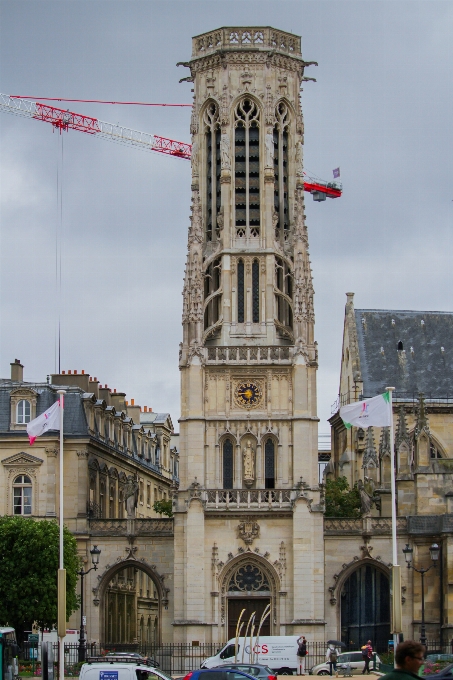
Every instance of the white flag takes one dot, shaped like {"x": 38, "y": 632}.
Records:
{"x": 375, "y": 411}
{"x": 49, "y": 420}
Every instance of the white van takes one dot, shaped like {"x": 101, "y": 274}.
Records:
{"x": 119, "y": 668}
{"x": 279, "y": 652}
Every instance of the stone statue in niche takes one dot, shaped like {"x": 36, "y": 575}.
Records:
{"x": 269, "y": 151}
{"x": 299, "y": 160}
{"x": 225, "y": 152}
{"x": 194, "y": 158}
{"x": 248, "y": 456}
{"x": 131, "y": 496}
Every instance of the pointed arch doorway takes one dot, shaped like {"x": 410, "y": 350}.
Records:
{"x": 251, "y": 605}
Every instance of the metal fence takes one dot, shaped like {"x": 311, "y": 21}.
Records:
{"x": 179, "y": 658}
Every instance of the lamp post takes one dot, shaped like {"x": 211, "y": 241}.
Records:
{"x": 94, "y": 552}
{"x": 434, "y": 552}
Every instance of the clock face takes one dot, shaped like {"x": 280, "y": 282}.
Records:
{"x": 248, "y": 394}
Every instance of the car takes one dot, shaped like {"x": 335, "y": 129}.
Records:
{"x": 445, "y": 673}
{"x": 354, "y": 659}
{"x": 148, "y": 660}
{"x": 440, "y": 657}
{"x": 218, "y": 673}
{"x": 255, "y": 669}
{"x": 119, "y": 667}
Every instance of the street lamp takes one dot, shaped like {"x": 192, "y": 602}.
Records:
{"x": 434, "y": 552}
{"x": 94, "y": 552}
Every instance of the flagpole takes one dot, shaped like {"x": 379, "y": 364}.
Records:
{"x": 61, "y": 571}
{"x": 396, "y": 570}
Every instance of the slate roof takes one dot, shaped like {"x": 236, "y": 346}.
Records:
{"x": 74, "y": 415}
{"x": 426, "y": 368}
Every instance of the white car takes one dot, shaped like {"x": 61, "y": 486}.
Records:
{"x": 354, "y": 659}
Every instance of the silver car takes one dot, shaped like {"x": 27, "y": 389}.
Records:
{"x": 354, "y": 659}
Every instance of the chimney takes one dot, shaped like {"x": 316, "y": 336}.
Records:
{"x": 17, "y": 371}
{"x": 133, "y": 411}
{"x": 104, "y": 393}
{"x": 72, "y": 379}
{"x": 118, "y": 400}
{"x": 94, "y": 387}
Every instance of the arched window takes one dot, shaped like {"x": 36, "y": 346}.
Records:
{"x": 284, "y": 286}
{"x": 121, "y": 504}
{"x": 213, "y": 166}
{"x": 23, "y": 412}
{"x": 269, "y": 464}
{"x": 256, "y": 291}
{"x": 228, "y": 464}
{"x": 281, "y": 210}
{"x": 112, "y": 501}
{"x": 22, "y": 489}
{"x": 212, "y": 280}
{"x": 365, "y": 607}
{"x": 102, "y": 499}
{"x": 241, "y": 294}
{"x": 246, "y": 168}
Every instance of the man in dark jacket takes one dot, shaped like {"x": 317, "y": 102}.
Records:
{"x": 409, "y": 656}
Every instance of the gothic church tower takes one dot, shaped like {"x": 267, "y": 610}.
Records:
{"x": 248, "y": 516}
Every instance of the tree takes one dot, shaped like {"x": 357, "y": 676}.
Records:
{"x": 164, "y": 507}
{"x": 29, "y": 560}
{"x": 341, "y": 500}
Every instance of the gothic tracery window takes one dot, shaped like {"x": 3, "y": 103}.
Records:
{"x": 248, "y": 577}
{"x": 246, "y": 168}
{"x": 228, "y": 464}
{"x": 280, "y": 137}
{"x": 255, "y": 291}
{"x": 283, "y": 292}
{"x": 213, "y": 167}
{"x": 212, "y": 281}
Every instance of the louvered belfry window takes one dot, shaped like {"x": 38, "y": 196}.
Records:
{"x": 241, "y": 292}
{"x": 228, "y": 464}
{"x": 269, "y": 464}
{"x": 213, "y": 166}
{"x": 281, "y": 210}
{"x": 255, "y": 291}
{"x": 246, "y": 169}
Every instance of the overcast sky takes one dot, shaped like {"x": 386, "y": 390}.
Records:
{"x": 381, "y": 109}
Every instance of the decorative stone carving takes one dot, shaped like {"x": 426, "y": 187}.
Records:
{"x": 225, "y": 152}
{"x": 131, "y": 496}
{"x": 248, "y": 530}
{"x": 248, "y": 456}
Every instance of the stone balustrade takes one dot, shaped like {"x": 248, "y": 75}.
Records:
{"x": 261, "y": 38}
{"x": 248, "y": 355}
{"x": 249, "y": 499}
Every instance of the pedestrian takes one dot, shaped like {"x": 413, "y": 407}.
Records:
{"x": 331, "y": 658}
{"x": 301, "y": 654}
{"x": 409, "y": 656}
{"x": 367, "y": 655}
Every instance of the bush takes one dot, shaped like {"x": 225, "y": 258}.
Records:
{"x": 341, "y": 500}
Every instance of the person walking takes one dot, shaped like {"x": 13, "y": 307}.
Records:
{"x": 331, "y": 658}
{"x": 301, "y": 654}
{"x": 367, "y": 655}
{"x": 409, "y": 656}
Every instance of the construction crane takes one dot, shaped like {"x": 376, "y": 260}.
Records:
{"x": 63, "y": 120}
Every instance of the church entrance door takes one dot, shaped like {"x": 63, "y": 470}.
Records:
{"x": 365, "y": 609}
{"x": 252, "y": 604}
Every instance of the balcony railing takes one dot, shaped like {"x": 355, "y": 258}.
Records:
{"x": 249, "y": 499}
{"x": 379, "y": 525}
{"x": 249, "y": 355}
{"x": 141, "y": 526}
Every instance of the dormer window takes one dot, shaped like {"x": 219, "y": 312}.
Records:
{"x": 23, "y": 412}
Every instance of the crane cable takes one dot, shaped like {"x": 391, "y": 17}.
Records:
{"x": 58, "y": 252}
{"x": 91, "y": 101}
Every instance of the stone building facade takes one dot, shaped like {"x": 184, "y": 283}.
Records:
{"x": 105, "y": 447}
{"x": 410, "y": 351}
{"x": 248, "y": 513}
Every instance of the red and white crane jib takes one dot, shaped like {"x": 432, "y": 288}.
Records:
{"x": 68, "y": 120}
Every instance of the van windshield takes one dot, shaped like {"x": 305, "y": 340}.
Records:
{"x": 228, "y": 652}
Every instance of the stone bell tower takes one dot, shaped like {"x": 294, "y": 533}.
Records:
{"x": 248, "y": 516}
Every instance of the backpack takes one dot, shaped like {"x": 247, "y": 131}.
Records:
{"x": 333, "y": 656}
{"x": 364, "y": 652}
{"x": 302, "y": 649}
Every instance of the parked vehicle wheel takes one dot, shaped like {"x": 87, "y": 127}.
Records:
{"x": 285, "y": 671}
{"x": 323, "y": 673}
